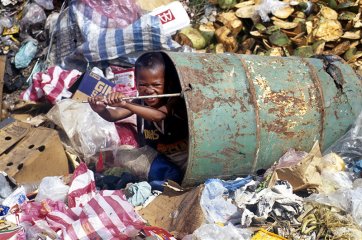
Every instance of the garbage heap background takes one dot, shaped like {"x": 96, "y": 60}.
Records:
{"x": 303, "y": 196}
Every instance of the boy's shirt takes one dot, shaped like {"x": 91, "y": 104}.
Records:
{"x": 170, "y": 137}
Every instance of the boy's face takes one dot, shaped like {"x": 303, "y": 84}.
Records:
{"x": 151, "y": 82}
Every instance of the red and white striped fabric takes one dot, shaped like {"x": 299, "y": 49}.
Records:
{"x": 83, "y": 186}
{"x": 93, "y": 215}
{"x": 51, "y": 85}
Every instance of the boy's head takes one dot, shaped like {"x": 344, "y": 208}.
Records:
{"x": 150, "y": 77}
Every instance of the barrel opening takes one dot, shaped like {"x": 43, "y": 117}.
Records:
{"x": 173, "y": 85}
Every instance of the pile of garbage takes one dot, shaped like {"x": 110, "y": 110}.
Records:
{"x": 66, "y": 173}
{"x": 302, "y": 196}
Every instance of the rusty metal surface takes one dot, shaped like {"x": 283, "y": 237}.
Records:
{"x": 245, "y": 111}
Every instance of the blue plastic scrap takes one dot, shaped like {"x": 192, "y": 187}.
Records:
{"x": 4, "y": 210}
{"x": 357, "y": 168}
{"x": 25, "y": 54}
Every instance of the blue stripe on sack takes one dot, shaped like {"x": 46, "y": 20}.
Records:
{"x": 137, "y": 35}
{"x": 102, "y": 46}
{"x": 88, "y": 13}
{"x": 119, "y": 42}
{"x": 169, "y": 43}
{"x": 156, "y": 33}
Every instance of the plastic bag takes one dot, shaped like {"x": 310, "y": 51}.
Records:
{"x": 216, "y": 232}
{"x": 6, "y": 22}
{"x": 50, "y": 85}
{"x": 33, "y": 14}
{"x": 290, "y": 158}
{"x": 122, "y": 12}
{"x": 26, "y": 53}
{"x": 65, "y": 38}
{"x": 332, "y": 181}
{"x": 104, "y": 41}
{"x": 348, "y": 200}
{"x": 51, "y": 21}
{"x": 215, "y": 208}
{"x": 267, "y": 7}
{"x": 105, "y": 213}
{"x": 349, "y": 147}
{"x": 46, "y": 4}
{"x": 138, "y": 193}
{"x": 52, "y": 188}
{"x": 82, "y": 187}
{"x": 87, "y": 131}
{"x": 5, "y": 189}
{"x": 137, "y": 161}
{"x": 16, "y": 198}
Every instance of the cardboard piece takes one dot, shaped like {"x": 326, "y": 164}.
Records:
{"x": 92, "y": 85}
{"x": 173, "y": 17}
{"x": 176, "y": 210}
{"x": 12, "y": 132}
{"x": 39, "y": 154}
{"x": 303, "y": 175}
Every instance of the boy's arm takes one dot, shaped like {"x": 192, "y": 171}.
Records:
{"x": 148, "y": 113}
{"x": 115, "y": 114}
{"x": 107, "y": 113}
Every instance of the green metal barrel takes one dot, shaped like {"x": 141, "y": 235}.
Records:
{"x": 245, "y": 111}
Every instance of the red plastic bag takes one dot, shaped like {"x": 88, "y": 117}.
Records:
{"x": 82, "y": 187}
{"x": 94, "y": 215}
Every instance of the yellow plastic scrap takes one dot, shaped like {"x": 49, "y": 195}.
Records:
{"x": 263, "y": 234}
{"x": 10, "y": 31}
{"x": 14, "y": 39}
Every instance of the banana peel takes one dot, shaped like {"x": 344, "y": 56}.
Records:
{"x": 224, "y": 36}
{"x": 191, "y": 37}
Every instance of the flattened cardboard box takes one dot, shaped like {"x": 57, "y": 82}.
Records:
{"x": 176, "y": 210}
{"x": 39, "y": 154}
{"x": 11, "y": 132}
{"x": 92, "y": 85}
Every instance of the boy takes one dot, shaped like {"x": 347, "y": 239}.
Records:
{"x": 160, "y": 122}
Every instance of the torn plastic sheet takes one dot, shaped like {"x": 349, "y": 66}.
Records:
{"x": 214, "y": 206}
{"x": 348, "y": 200}
{"x": 87, "y": 139}
{"x": 278, "y": 201}
{"x": 349, "y": 147}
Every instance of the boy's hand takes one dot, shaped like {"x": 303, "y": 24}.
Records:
{"x": 97, "y": 104}
{"x": 115, "y": 100}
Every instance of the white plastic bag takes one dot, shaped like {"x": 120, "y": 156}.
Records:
{"x": 216, "y": 232}
{"x": 5, "y": 189}
{"x": 333, "y": 180}
{"x": 87, "y": 131}
{"x": 52, "y": 188}
{"x": 215, "y": 208}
